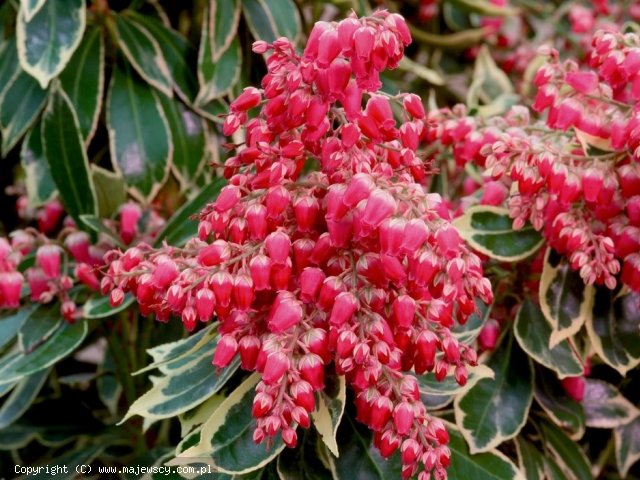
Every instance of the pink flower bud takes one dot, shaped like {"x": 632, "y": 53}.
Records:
{"x": 278, "y": 199}
{"x": 249, "y": 98}
{"x": 189, "y": 318}
{"x": 381, "y": 410}
{"x": 78, "y": 244}
{"x": 415, "y": 234}
{"x": 359, "y": 188}
{"x": 306, "y": 211}
{"x": 403, "y": 416}
{"x": 488, "y": 336}
{"x": 10, "y": 286}
{"x": 130, "y": 214}
{"x": 574, "y": 386}
{"x": 328, "y": 48}
{"x": 256, "y": 216}
{"x": 205, "y": 303}
{"x": 310, "y": 282}
{"x": 260, "y": 268}
{"x": 312, "y": 370}
{"x": 227, "y": 199}
{"x": 214, "y": 254}
{"x": 86, "y": 274}
{"x": 243, "y": 291}
{"x": 346, "y": 304}
{"x": 226, "y": 349}
{"x": 222, "y": 285}
{"x": 278, "y": 246}
{"x": 262, "y": 404}
{"x": 175, "y": 298}
{"x": 166, "y": 271}
{"x": 68, "y": 310}
{"x": 301, "y": 417}
{"x": 592, "y": 181}
{"x": 281, "y": 275}
{"x": 285, "y": 313}
{"x": 413, "y": 105}
{"x": 451, "y": 349}
{"x": 290, "y": 437}
{"x": 392, "y": 235}
{"x": 116, "y": 297}
{"x": 380, "y": 205}
{"x": 583, "y": 82}
{"x": 49, "y": 217}
{"x": 448, "y": 239}
{"x": 38, "y": 283}
{"x": 249, "y": 347}
{"x": 404, "y": 309}
{"x": 276, "y": 366}
{"x": 48, "y": 258}
{"x": 302, "y": 394}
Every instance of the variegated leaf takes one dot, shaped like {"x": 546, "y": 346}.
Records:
{"x": 329, "y": 410}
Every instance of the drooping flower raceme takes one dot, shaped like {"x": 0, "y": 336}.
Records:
{"x": 353, "y": 265}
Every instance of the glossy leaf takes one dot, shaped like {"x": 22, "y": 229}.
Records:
{"x": 614, "y": 329}
{"x": 107, "y": 384}
{"x": 271, "y": 19}
{"x": 181, "y": 227}
{"x": 489, "y": 82}
{"x": 563, "y": 410}
{"x": 21, "y": 102}
{"x": 491, "y": 465}
{"x": 533, "y": 332}
{"x": 144, "y": 53}
{"x": 189, "y": 142}
{"x": 48, "y": 39}
{"x": 60, "y": 344}
{"x": 494, "y": 410}
{"x": 359, "y": 459}
{"x": 489, "y": 231}
{"x": 565, "y": 300}
{"x": 67, "y": 158}
{"x": 98, "y": 306}
{"x": 420, "y": 71}
{"x": 605, "y": 407}
{"x": 302, "y": 462}
{"x": 468, "y": 332}
{"x": 83, "y": 81}
{"x": 484, "y": 7}
{"x": 223, "y": 18}
{"x": 183, "y": 388}
{"x": 11, "y": 322}
{"x": 329, "y": 410}
{"x": 566, "y": 452}
{"x": 111, "y": 190}
{"x": 430, "y": 386}
{"x": 177, "y": 52}
{"x": 40, "y": 185}
{"x": 226, "y": 439}
{"x": 216, "y": 74}
{"x": 43, "y": 321}
{"x": 9, "y": 64}
{"x": 31, "y": 7}
{"x": 199, "y": 414}
{"x": 627, "y": 443}
{"x": 21, "y": 397}
{"x": 141, "y": 146}
{"x": 530, "y": 459}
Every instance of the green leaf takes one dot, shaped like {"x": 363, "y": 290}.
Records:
{"x": 563, "y": 410}
{"x": 302, "y": 462}
{"x": 83, "y": 81}
{"x": 484, "y": 7}
{"x": 330, "y": 408}
{"x": 490, "y": 465}
{"x": 144, "y": 53}
{"x": 9, "y": 64}
{"x": 21, "y": 102}
{"x": 48, "y": 39}
{"x": 489, "y": 231}
{"x": 180, "y": 227}
{"x": 226, "y": 439}
{"x": 98, "y": 306}
{"x": 40, "y": 185}
{"x": 216, "y": 74}
{"x": 67, "y": 158}
{"x": 359, "y": 459}
{"x": 184, "y": 388}
{"x": 565, "y": 300}
{"x": 111, "y": 190}
{"x": 64, "y": 341}
{"x": 21, "y": 398}
{"x": 614, "y": 329}
{"x": 199, "y": 414}
{"x": 109, "y": 389}
{"x": 468, "y": 332}
{"x": 141, "y": 146}
{"x": 420, "y": 71}
{"x": 223, "y": 18}
{"x": 430, "y": 386}
{"x": 495, "y": 410}
{"x": 533, "y": 332}
{"x": 11, "y": 322}
{"x": 530, "y": 460}
{"x": 95, "y": 223}
{"x": 270, "y": 19}
{"x": 39, "y": 326}
{"x": 31, "y": 7}
{"x": 627, "y": 442}
{"x": 188, "y": 133}
{"x": 605, "y": 407}
{"x": 489, "y": 82}
{"x": 453, "y": 41}
{"x": 566, "y": 452}
{"x": 177, "y": 53}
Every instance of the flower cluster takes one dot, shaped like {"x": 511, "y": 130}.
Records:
{"x": 61, "y": 261}
{"x": 353, "y": 265}
{"x": 575, "y": 177}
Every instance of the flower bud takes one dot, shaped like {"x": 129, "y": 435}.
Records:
{"x": 225, "y": 351}
{"x": 48, "y": 258}
{"x": 130, "y": 214}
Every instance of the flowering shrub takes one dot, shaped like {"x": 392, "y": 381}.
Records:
{"x": 383, "y": 280}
